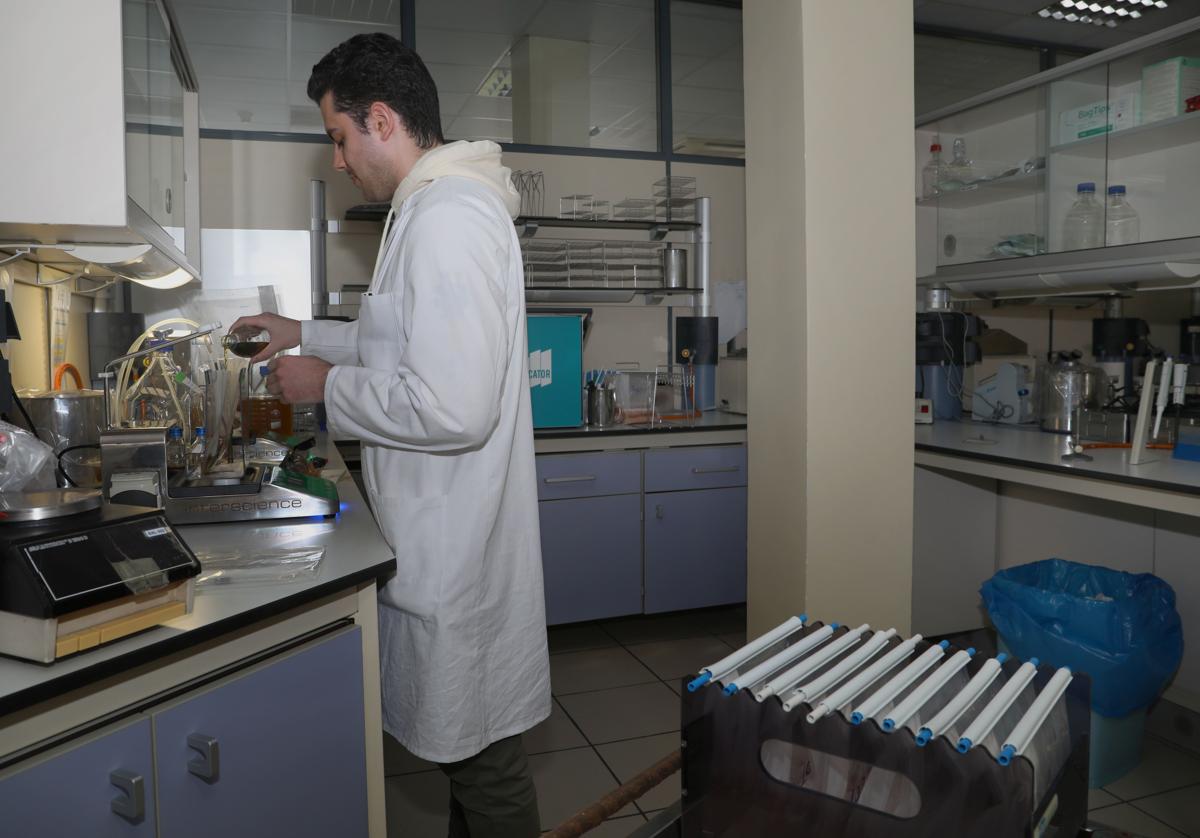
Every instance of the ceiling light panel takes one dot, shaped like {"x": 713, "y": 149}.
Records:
{"x": 1105, "y": 13}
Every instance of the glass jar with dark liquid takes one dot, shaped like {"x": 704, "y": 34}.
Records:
{"x": 246, "y": 343}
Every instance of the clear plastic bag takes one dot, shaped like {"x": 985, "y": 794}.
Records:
{"x": 263, "y": 567}
{"x": 26, "y": 463}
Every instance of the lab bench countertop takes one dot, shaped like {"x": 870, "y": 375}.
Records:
{"x": 713, "y": 427}
{"x": 355, "y": 552}
{"x": 1028, "y": 447}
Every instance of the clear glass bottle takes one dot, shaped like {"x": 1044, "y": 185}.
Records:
{"x": 1083, "y": 227}
{"x": 195, "y": 458}
{"x": 931, "y": 174}
{"x": 960, "y": 171}
{"x": 177, "y": 453}
{"x": 1121, "y": 222}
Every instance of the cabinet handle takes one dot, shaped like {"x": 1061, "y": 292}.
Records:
{"x": 206, "y": 766}
{"x": 130, "y": 805}
{"x": 168, "y": 200}
{"x": 716, "y": 470}
{"x": 550, "y": 481}
{"x": 658, "y": 511}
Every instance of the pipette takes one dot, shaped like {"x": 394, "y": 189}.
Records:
{"x": 841, "y": 671}
{"x": 1035, "y": 716}
{"x": 1179, "y": 383}
{"x": 862, "y": 680}
{"x": 810, "y": 664}
{"x": 1164, "y": 393}
{"x": 728, "y": 665}
{"x": 882, "y": 696}
{"x": 780, "y": 659}
{"x": 949, "y": 714}
{"x": 904, "y": 711}
{"x": 997, "y": 707}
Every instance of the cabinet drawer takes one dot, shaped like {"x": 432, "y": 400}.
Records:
{"x": 588, "y": 475}
{"x": 703, "y": 467}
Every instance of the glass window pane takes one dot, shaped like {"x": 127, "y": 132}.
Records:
{"x": 949, "y": 70}
{"x": 579, "y": 73}
{"x": 253, "y": 57}
{"x": 707, "y": 110}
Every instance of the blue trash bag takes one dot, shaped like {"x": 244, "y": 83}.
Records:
{"x": 1120, "y": 628}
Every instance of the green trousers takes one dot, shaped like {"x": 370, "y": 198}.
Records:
{"x": 492, "y": 793}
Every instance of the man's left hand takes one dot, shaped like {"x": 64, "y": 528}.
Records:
{"x": 298, "y": 379}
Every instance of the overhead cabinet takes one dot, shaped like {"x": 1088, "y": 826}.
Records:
{"x": 995, "y": 221}
{"x": 105, "y": 163}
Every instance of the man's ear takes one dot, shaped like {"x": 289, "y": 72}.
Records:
{"x": 384, "y": 120}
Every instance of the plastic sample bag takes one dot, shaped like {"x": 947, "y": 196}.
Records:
{"x": 26, "y": 463}
{"x": 1120, "y": 628}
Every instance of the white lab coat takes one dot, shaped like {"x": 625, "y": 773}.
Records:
{"x": 433, "y": 380}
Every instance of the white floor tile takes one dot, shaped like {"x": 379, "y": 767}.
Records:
{"x": 1099, "y": 798}
{"x": 557, "y": 733}
{"x": 567, "y": 781}
{"x": 628, "y": 759}
{"x": 596, "y": 669}
{"x": 1129, "y": 819}
{"x": 1163, "y": 768}
{"x": 418, "y": 805}
{"x": 1179, "y": 808}
{"x": 670, "y": 660}
{"x": 624, "y": 712}
{"x": 578, "y": 637}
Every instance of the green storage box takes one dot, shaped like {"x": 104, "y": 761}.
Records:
{"x": 556, "y": 369}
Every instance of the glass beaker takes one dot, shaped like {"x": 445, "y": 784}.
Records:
{"x": 246, "y": 342}
{"x": 263, "y": 413}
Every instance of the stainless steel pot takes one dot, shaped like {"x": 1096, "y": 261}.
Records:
{"x": 1067, "y": 387}
{"x": 674, "y": 267}
{"x": 65, "y": 418}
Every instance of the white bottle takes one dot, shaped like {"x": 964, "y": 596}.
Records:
{"x": 1084, "y": 225}
{"x": 1121, "y": 223}
{"x": 931, "y": 174}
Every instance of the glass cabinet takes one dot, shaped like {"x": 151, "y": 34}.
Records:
{"x": 1081, "y": 166}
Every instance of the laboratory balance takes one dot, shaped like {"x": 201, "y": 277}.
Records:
{"x": 232, "y": 479}
{"x": 76, "y": 572}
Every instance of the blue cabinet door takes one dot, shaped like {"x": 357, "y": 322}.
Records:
{"x": 592, "y": 557}
{"x": 71, "y": 792}
{"x": 289, "y": 750}
{"x": 695, "y": 549}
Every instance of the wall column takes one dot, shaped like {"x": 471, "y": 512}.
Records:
{"x": 830, "y": 262}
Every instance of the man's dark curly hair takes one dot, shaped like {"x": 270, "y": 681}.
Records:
{"x": 378, "y": 68}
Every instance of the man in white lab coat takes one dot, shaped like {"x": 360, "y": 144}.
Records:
{"x": 433, "y": 380}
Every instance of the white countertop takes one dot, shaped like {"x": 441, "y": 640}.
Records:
{"x": 354, "y": 550}
{"x": 714, "y": 427}
{"x": 1017, "y": 453}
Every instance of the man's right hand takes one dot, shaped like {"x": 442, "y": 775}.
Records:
{"x": 284, "y": 332}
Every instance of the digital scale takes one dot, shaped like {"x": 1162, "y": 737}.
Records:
{"x": 76, "y": 572}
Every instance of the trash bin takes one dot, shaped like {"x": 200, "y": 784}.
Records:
{"x": 1121, "y": 629}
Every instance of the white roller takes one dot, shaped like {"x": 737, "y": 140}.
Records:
{"x": 924, "y": 691}
{"x": 864, "y": 679}
{"x": 727, "y": 665}
{"x": 1035, "y": 716}
{"x": 810, "y": 664}
{"x": 997, "y": 707}
{"x": 958, "y": 705}
{"x": 880, "y": 698}
{"x": 841, "y": 671}
{"x": 781, "y": 659}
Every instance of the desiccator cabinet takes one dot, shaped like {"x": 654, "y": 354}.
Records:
{"x": 276, "y": 749}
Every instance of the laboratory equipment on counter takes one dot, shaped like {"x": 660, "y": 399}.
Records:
{"x": 263, "y": 413}
{"x": 1083, "y": 228}
{"x": 69, "y": 421}
{"x": 76, "y": 572}
{"x": 556, "y": 367}
{"x": 696, "y": 346}
{"x": 1006, "y": 396}
{"x": 1066, "y": 387}
{"x": 773, "y": 768}
{"x": 1119, "y": 344}
{"x": 135, "y": 472}
{"x": 945, "y": 346}
{"x": 1121, "y": 224}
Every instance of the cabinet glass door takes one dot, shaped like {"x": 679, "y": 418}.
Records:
{"x": 1080, "y": 119}
{"x": 987, "y": 200}
{"x": 135, "y": 25}
{"x": 1153, "y": 152}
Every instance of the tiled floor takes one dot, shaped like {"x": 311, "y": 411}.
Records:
{"x": 616, "y": 712}
{"x": 1158, "y": 799}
